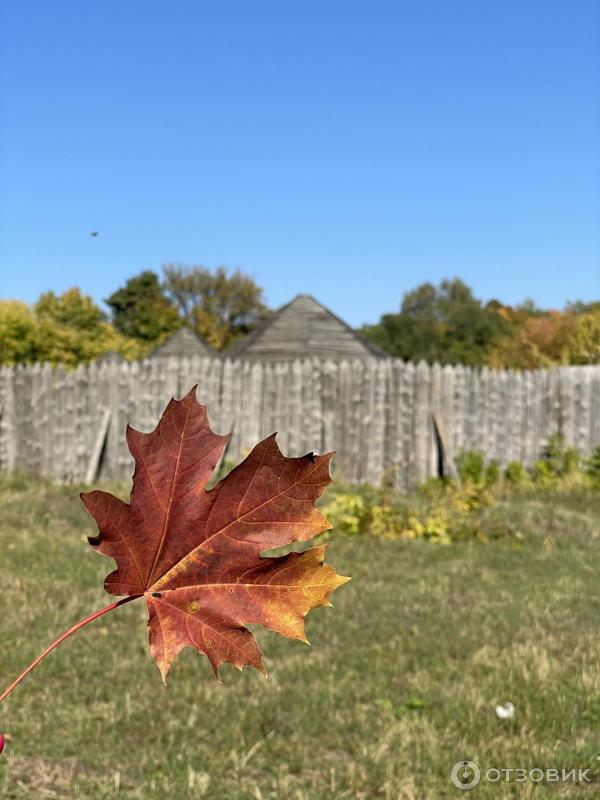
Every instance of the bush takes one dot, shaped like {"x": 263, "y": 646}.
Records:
{"x": 347, "y": 513}
{"x": 554, "y": 453}
{"x": 491, "y": 473}
{"x": 592, "y": 466}
{"x": 385, "y": 522}
{"x": 471, "y": 466}
{"x": 515, "y": 473}
{"x": 571, "y": 462}
{"x": 444, "y": 511}
{"x": 439, "y": 511}
{"x": 542, "y": 472}
{"x": 561, "y": 460}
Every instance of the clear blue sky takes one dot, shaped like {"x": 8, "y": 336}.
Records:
{"x": 346, "y": 149}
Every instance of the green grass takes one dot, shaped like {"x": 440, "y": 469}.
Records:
{"x": 400, "y": 682}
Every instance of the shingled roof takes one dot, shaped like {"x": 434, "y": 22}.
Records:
{"x": 184, "y": 342}
{"x": 300, "y": 329}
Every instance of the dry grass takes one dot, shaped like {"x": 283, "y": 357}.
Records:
{"x": 401, "y": 680}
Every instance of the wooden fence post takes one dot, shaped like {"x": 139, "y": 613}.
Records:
{"x": 376, "y": 413}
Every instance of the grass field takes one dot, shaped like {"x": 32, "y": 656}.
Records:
{"x": 400, "y": 682}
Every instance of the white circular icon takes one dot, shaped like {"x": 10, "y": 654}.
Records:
{"x": 465, "y": 775}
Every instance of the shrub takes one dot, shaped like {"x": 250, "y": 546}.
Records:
{"x": 473, "y": 469}
{"x": 443, "y": 510}
{"x": 515, "y": 473}
{"x": 542, "y": 472}
{"x": 471, "y": 466}
{"x": 554, "y": 453}
{"x": 592, "y": 467}
{"x": 561, "y": 460}
{"x": 434, "y": 524}
{"x": 491, "y": 473}
{"x": 347, "y": 512}
{"x": 385, "y": 522}
{"x": 571, "y": 461}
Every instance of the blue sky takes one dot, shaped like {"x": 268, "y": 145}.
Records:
{"x": 347, "y": 149}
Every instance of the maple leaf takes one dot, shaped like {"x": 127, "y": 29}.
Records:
{"x": 195, "y": 555}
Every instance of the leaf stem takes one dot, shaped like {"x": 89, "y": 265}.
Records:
{"x": 60, "y": 639}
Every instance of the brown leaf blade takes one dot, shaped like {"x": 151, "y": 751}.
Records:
{"x": 196, "y": 555}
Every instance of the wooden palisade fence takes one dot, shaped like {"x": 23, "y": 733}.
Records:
{"x": 376, "y": 413}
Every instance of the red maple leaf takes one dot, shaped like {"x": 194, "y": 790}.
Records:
{"x": 195, "y": 555}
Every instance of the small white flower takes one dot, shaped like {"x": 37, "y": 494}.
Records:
{"x": 507, "y": 711}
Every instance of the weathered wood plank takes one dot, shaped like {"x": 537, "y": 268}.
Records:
{"x": 94, "y": 460}
{"x": 376, "y": 413}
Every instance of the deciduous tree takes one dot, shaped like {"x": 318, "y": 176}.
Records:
{"x": 444, "y": 323}
{"x": 536, "y": 342}
{"x": 220, "y": 306}
{"x": 140, "y": 309}
{"x": 67, "y": 329}
{"x": 19, "y": 333}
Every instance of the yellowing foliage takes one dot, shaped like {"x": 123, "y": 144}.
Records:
{"x": 68, "y": 329}
{"x": 548, "y": 340}
{"x": 20, "y": 337}
{"x": 584, "y": 339}
{"x": 444, "y": 511}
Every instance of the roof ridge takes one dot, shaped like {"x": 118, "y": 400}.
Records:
{"x": 239, "y": 347}
{"x": 185, "y": 329}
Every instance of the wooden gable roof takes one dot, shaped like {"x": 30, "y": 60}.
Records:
{"x": 184, "y": 342}
{"x": 301, "y": 329}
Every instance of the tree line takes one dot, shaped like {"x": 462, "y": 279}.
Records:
{"x": 444, "y": 323}
{"x": 220, "y": 306}
{"x": 448, "y": 324}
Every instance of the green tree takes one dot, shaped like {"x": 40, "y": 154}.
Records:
{"x": 583, "y": 343}
{"x": 581, "y": 307}
{"x": 73, "y": 309}
{"x": 444, "y": 323}
{"x": 140, "y": 309}
{"x": 20, "y": 335}
{"x": 73, "y": 330}
{"x": 220, "y": 306}
{"x": 67, "y": 329}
